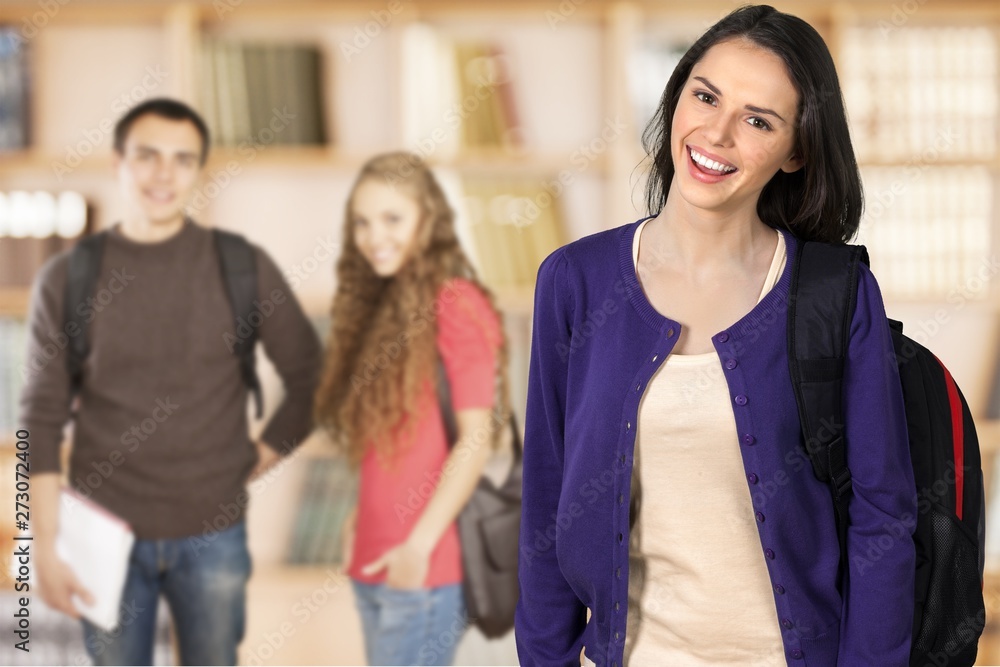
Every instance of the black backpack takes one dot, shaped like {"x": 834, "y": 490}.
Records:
{"x": 239, "y": 274}
{"x": 949, "y": 613}
{"x": 488, "y": 529}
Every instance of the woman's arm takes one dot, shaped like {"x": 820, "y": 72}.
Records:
{"x": 459, "y": 478}
{"x": 877, "y": 618}
{"x": 550, "y": 618}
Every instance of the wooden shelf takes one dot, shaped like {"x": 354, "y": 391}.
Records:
{"x": 14, "y": 301}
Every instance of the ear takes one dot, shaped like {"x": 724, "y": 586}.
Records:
{"x": 794, "y": 163}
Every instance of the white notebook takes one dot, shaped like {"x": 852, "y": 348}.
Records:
{"x": 97, "y": 546}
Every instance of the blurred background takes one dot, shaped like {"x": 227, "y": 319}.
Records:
{"x": 530, "y": 113}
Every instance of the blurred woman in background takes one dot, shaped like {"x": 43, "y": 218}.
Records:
{"x": 406, "y": 293}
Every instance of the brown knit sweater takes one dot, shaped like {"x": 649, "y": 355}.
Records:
{"x": 160, "y": 435}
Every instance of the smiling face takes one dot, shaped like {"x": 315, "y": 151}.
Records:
{"x": 733, "y": 127}
{"x": 159, "y": 167}
{"x": 385, "y": 222}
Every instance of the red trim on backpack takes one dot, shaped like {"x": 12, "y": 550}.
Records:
{"x": 957, "y": 436}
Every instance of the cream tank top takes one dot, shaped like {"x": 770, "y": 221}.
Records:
{"x": 699, "y": 591}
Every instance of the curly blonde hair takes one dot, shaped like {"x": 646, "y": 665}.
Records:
{"x": 360, "y": 408}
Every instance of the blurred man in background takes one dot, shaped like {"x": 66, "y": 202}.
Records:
{"x": 160, "y": 427}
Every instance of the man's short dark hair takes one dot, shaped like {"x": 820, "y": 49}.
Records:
{"x": 165, "y": 108}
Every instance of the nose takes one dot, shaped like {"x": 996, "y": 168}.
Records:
{"x": 719, "y": 130}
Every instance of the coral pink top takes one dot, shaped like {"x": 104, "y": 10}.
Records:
{"x": 391, "y": 500}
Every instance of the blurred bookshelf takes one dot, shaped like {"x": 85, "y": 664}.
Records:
{"x": 549, "y": 155}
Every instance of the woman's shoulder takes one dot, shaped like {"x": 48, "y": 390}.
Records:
{"x": 461, "y": 302}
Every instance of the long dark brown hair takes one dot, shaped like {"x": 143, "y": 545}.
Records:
{"x": 821, "y": 201}
{"x": 371, "y": 382}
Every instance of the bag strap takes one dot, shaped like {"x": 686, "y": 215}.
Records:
{"x": 820, "y": 309}
{"x": 239, "y": 274}
{"x": 448, "y": 414}
{"x": 81, "y": 279}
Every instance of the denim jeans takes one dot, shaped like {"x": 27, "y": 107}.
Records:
{"x": 204, "y": 581}
{"x": 410, "y": 627}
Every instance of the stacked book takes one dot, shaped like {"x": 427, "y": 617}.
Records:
{"x": 458, "y": 95}
{"x": 328, "y": 494}
{"x": 514, "y": 224}
{"x": 260, "y": 94}
{"x": 921, "y": 93}
{"x": 14, "y": 113}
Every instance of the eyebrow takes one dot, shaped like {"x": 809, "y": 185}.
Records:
{"x": 749, "y": 107}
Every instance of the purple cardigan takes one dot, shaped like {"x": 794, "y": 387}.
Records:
{"x": 596, "y": 342}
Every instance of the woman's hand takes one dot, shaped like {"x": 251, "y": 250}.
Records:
{"x": 407, "y": 566}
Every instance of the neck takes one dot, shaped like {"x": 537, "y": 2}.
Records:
{"x": 143, "y": 229}
{"x": 697, "y": 240}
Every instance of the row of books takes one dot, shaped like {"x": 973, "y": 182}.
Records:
{"x": 458, "y": 93}
{"x": 328, "y": 494}
{"x": 926, "y": 92}
{"x": 514, "y": 224}
{"x": 263, "y": 93}
{"x": 929, "y": 232}
{"x": 14, "y": 110}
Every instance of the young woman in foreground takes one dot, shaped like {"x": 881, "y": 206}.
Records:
{"x": 665, "y": 486}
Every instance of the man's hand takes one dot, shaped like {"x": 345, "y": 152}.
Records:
{"x": 266, "y": 458}
{"x": 57, "y": 584}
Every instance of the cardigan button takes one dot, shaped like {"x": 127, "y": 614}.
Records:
{"x": 780, "y": 589}
{"x": 618, "y": 635}
{"x": 752, "y": 477}
{"x": 637, "y": 386}
{"x": 628, "y": 426}
{"x": 786, "y": 624}
{"x": 723, "y": 337}
{"x": 670, "y": 332}
{"x": 760, "y": 517}
{"x": 769, "y": 553}
{"x": 655, "y": 357}
{"x": 731, "y": 364}
{"x": 741, "y": 399}
{"x": 796, "y": 653}
{"x": 617, "y": 606}
{"x": 620, "y": 538}
{"x": 748, "y": 439}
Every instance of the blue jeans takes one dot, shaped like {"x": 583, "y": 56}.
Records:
{"x": 204, "y": 581}
{"x": 410, "y": 627}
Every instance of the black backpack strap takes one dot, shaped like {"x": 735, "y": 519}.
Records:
{"x": 81, "y": 280}
{"x": 448, "y": 414}
{"x": 821, "y": 306}
{"x": 239, "y": 274}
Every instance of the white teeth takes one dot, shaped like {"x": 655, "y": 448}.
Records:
{"x": 710, "y": 164}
